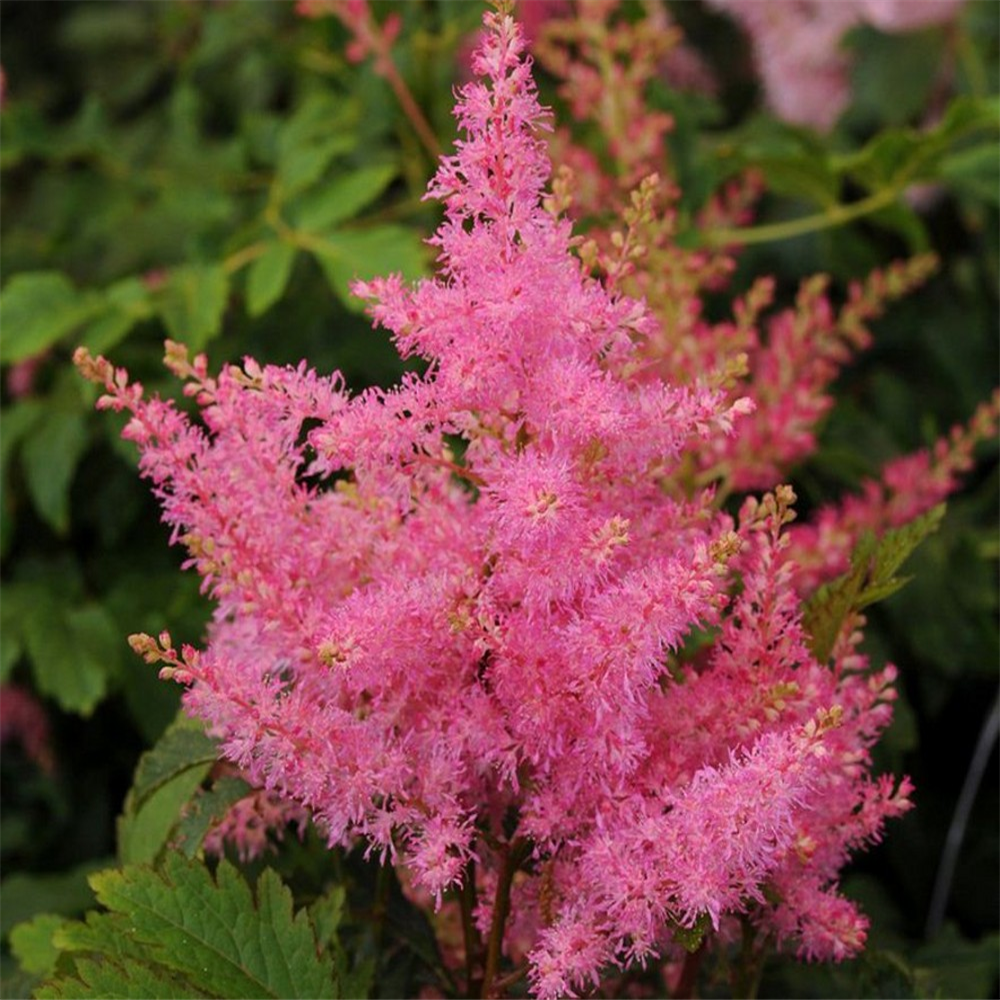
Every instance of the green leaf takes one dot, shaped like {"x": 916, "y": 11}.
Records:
{"x": 302, "y": 166}
{"x": 18, "y": 421}
{"x": 204, "y": 811}
{"x": 184, "y": 745}
{"x": 361, "y": 254}
{"x": 268, "y": 276}
{"x": 900, "y": 156}
{"x": 891, "y": 157}
{"x": 11, "y": 640}
{"x": 17, "y": 986}
{"x": 193, "y": 303}
{"x": 166, "y": 779}
{"x": 50, "y": 454}
{"x": 307, "y": 144}
{"x": 73, "y": 649}
{"x": 791, "y": 158}
{"x": 342, "y": 198}
{"x": 326, "y": 914}
{"x": 953, "y": 966}
{"x": 872, "y": 577}
{"x": 23, "y": 896}
{"x": 144, "y": 831}
{"x": 974, "y": 171}
{"x": 37, "y": 309}
{"x": 127, "y": 302}
{"x": 106, "y": 331}
{"x": 214, "y": 935}
{"x": 124, "y": 980}
{"x": 890, "y": 81}
{"x": 33, "y": 946}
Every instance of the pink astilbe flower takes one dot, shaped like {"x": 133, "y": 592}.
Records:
{"x": 375, "y": 608}
{"x": 451, "y": 616}
{"x": 791, "y": 369}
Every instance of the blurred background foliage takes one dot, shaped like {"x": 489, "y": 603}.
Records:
{"x": 217, "y": 173}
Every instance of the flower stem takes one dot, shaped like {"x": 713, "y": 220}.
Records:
{"x": 960, "y": 819}
{"x": 836, "y": 215}
{"x": 511, "y": 857}
{"x": 407, "y": 102}
{"x": 470, "y": 932}
{"x": 750, "y": 964}
{"x": 684, "y": 989}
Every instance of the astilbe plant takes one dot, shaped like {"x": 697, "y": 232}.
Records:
{"x": 496, "y": 622}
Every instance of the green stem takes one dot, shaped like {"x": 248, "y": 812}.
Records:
{"x": 837, "y": 215}
{"x": 512, "y": 856}
{"x": 972, "y": 64}
{"x": 470, "y": 932}
{"x": 750, "y": 967}
{"x": 380, "y": 905}
{"x": 689, "y": 974}
{"x": 513, "y": 977}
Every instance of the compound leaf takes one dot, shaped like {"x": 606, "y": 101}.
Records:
{"x": 872, "y": 577}
{"x": 181, "y": 929}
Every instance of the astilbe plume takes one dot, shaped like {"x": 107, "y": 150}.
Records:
{"x": 451, "y": 616}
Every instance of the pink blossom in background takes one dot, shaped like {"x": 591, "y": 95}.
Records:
{"x": 907, "y": 487}
{"x": 798, "y": 48}
{"x": 23, "y": 720}
{"x": 908, "y": 15}
{"x": 533, "y": 14}
{"x": 22, "y": 376}
{"x": 797, "y": 52}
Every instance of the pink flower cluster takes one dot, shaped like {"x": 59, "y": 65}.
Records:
{"x": 798, "y": 46}
{"x": 485, "y": 619}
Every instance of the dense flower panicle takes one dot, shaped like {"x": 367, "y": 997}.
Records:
{"x": 473, "y": 600}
